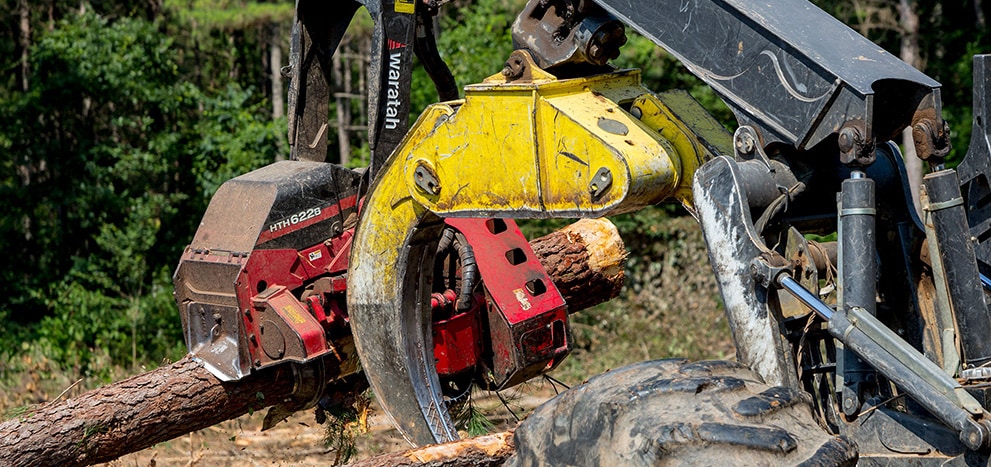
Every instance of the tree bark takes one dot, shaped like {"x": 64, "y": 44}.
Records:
{"x": 144, "y": 410}
{"x": 25, "y": 42}
{"x": 585, "y": 261}
{"x": 489, "y": 450}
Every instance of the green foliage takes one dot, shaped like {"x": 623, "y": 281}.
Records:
{"x": 662, "y": 72}
{"x": 92, "y": 142}
{"x": 137, "y": 111}
{"x": 223, "y": 42}
{"x": 949, "y": 34}
{"x": 234, "y": 139}
{"x": 229, "y": 14}
{"x": 344, "y": 422}
{"x": 478, "y": 38}
{"x": 475, "y": 41}
{"x": 91, "y": 330}
{"x": 669, "y": 305}
{"x": 114, "y": 158}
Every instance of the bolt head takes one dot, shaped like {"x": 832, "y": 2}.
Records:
{"x": 745, "y": 145}
{"x": 848, "y": 138}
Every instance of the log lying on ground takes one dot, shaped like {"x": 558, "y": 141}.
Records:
{"x": 147, "y": 409}
{"x": 585, "y": 261}
{"x": 481, "y": 451}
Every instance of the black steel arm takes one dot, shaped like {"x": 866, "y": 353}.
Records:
{"x": 792, "y": 71}
{"x": 317, "y": 32}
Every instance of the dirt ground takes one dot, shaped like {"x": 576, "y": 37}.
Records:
{"x": 299, "y": 441}
{"x": 669, "y": 307}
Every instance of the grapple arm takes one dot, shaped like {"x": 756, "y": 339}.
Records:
{"x": 401, "y": 27}
{"x": 537, "y": 148}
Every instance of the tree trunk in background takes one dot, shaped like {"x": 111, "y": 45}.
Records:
{"x": 364, "y": 58}
{"x": 341, "y": 72}
{"x": 275, "y": 70}
{"x": 909, "y": 22}
{"x": 25, "y": 29}
{"x": 584, "y": 260}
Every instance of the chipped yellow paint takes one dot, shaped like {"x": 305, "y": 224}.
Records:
{"x": 693, "y": 132}
{"x": 538, "y": 149}
{"x": 533, "y": 148}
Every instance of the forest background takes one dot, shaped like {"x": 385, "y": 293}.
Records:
{"x": 119, "y": 120}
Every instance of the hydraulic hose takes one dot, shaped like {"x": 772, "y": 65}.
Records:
{"x": 469, "y": 271}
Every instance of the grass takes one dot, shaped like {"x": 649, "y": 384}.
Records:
{"x": 23, "y": 412}
{"x": 344, "y": 422}
{"x": 670, "y": 307}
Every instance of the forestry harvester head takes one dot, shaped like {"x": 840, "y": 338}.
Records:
{"x": 833, "y": 284}
{"x": 263, "y": 280}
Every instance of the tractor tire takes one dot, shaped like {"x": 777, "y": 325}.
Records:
{"x": 673, "y": 412}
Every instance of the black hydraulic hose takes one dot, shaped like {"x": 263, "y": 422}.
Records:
{"x": 779, "y": 205}
{"x": 446, "y": 239}
{"x": 425, "y": 47}
{"x": 469, "y": 271}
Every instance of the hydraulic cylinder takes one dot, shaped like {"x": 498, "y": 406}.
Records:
{"x": 858, "y": 277}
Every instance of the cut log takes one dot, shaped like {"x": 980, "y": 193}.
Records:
{"x": 486, "y": 451}
{"x": 585, "y": 261}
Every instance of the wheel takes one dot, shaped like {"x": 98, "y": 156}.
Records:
{"x": 677, "y": 412}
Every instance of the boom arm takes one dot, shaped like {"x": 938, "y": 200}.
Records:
{"x": 401, "y": 28}
{"x": 791, "y": 71}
